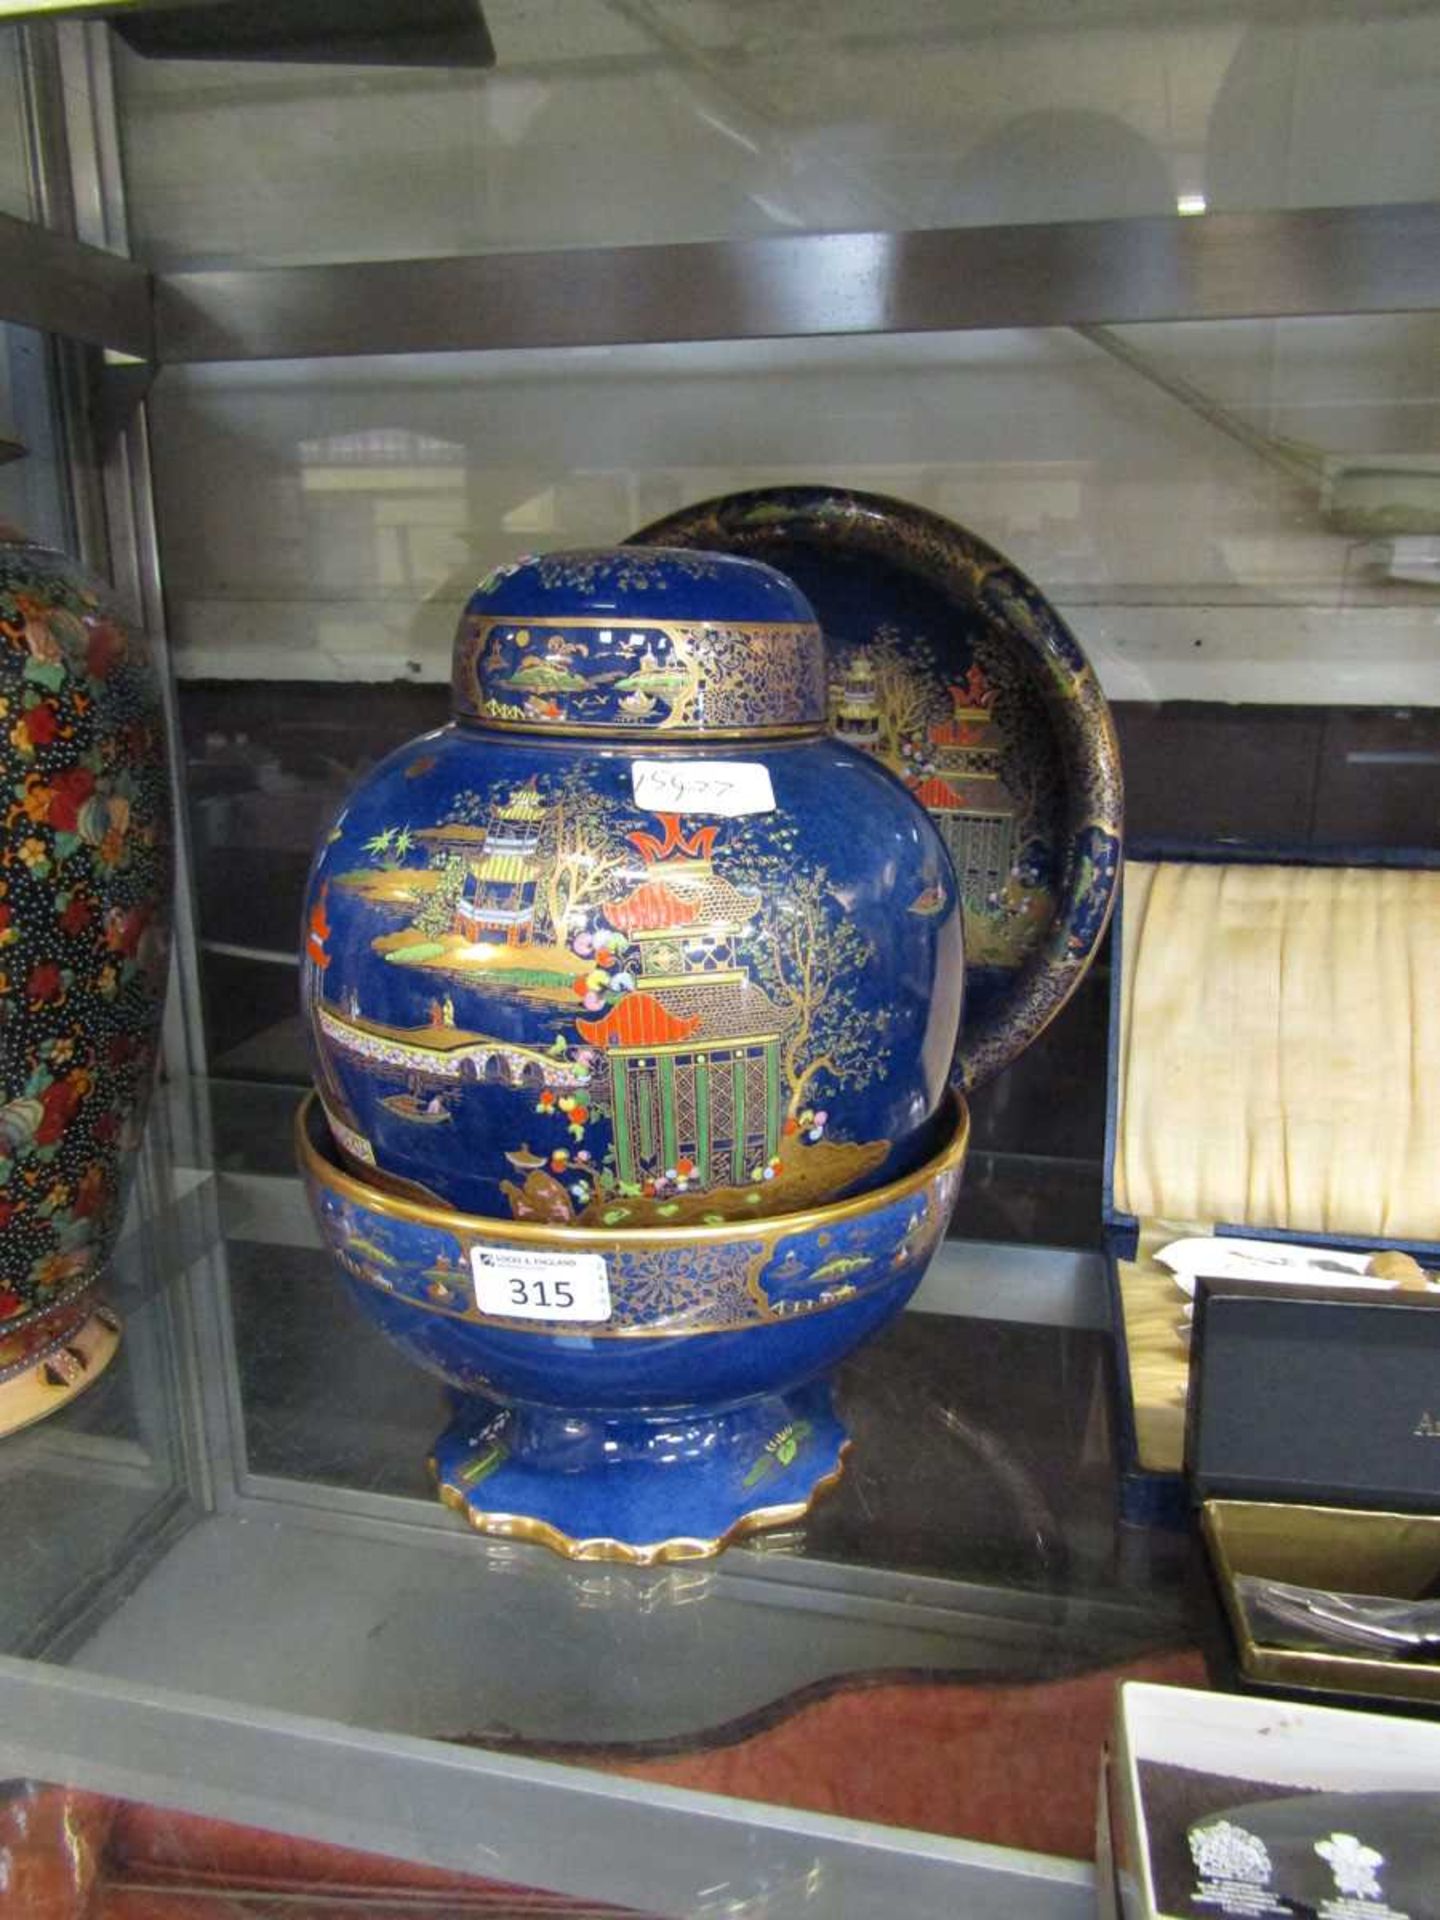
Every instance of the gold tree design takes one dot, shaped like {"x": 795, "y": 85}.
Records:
{"x": 685, "y": 699}
{"x": 908, "y": 696}
{"x": 578, "y": 854}
{"x": 1025, "y": 784}
{"x": 437, "y": 913}
{"x": 809, "y": 965}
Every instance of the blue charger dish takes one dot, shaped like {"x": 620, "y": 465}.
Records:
{"x": 644, "y": 1394}
{"x": 952, "y": 669}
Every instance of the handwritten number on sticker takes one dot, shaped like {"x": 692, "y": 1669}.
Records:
{"x": 727, "y": 788}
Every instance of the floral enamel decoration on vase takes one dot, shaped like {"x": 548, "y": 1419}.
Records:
{"x": 631, "y": 948}
{"x": 84, "y": 911}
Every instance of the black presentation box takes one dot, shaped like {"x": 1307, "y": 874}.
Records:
{"x": 1313, "y": 1452}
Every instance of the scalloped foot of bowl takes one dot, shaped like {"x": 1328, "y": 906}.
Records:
{"x": 679, "y": 1486}
{"x": 61, "y": 1369}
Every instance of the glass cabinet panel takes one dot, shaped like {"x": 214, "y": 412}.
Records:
{"x": 323, "y": 521}
{"x": 662, "y": 120}
{"x": 238, "y": 1524}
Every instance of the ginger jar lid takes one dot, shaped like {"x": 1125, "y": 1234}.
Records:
{"x": 633, "y": 641}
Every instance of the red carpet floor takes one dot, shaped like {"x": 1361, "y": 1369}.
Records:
{"x": 1012, "y": 1765}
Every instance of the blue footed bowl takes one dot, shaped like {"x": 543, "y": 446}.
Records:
{"x": 633, "y": 942}
{"x": 639, "y": 1395}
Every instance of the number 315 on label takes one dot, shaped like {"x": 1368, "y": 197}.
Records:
{"x": 516, "y": 1285}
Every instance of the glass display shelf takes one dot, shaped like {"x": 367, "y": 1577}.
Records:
{"x": 66, "y": 1854}
{"x": 228, "y": 1589}
{"x": 667, "y": 121}
{"x": 232, "y": 1591}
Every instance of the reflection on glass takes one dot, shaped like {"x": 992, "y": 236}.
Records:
{"x": 323, "y": 522}
{"x": 88, "y": 1490}
{"x": 15, "y": 192}
{"x": 659, "y": 120}
{"x": 31, "y": 489}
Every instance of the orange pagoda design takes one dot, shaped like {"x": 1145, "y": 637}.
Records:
{"x": 694, "y": 1050}
{"x": 966, "y": 794}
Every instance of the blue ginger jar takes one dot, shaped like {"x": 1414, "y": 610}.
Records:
{"x": 633, "y": 941}
{"x": 632, "y": 997}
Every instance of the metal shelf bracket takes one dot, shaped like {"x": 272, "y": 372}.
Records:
{"x": 1347, "y": 260}
{"x": 62, "y": 286}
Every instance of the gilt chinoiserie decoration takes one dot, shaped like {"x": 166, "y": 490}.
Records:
{"x": 551, "y": 976}
{"x": 633, "y": 949}
{"x": 951, "y": 668}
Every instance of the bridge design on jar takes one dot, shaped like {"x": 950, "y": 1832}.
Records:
{"x": 442, "y": 1052}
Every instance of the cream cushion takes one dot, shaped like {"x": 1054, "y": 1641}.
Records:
{"x": 1279, "y": 1048}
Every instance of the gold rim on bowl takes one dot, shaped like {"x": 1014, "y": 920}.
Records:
{"x": 326, "y": 1173}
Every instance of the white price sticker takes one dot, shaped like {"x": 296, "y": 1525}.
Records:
{"x": 724, "y": 787}
{"x": 515, "y": 1285}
